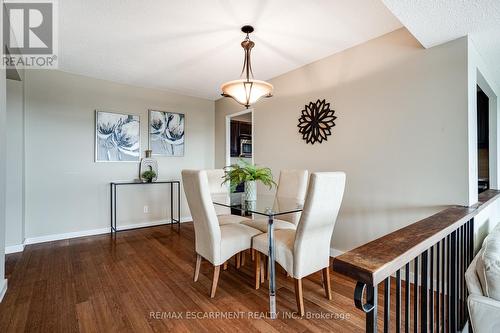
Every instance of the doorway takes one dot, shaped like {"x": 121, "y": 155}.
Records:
{"x": 240, "y": 139}
{"x": 483, "y": 139}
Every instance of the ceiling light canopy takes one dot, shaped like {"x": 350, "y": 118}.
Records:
{"x": 247, "y": 91}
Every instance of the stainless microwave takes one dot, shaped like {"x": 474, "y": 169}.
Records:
{"x": 245, "y": 148}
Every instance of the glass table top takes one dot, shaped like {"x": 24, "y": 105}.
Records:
{"x": 266, "y": 204}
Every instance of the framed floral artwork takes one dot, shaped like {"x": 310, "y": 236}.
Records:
{"x": 166, "y": 133}
{"x": 117, "y": 137}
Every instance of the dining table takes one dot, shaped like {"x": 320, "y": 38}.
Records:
{"x": 272, "y": 208}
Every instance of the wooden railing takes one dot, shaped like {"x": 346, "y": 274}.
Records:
{"x": 431, "y": 257}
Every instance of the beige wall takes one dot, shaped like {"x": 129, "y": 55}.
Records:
{"x": 14, "y": 223}
{"x": 3, "y": 282}
{"x": 401, "y": 132}
{"x": 66, "y": 191}
{"x": 480, "y": 74}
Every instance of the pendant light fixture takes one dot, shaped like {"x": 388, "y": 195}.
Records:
{"x": 247, "y": 91}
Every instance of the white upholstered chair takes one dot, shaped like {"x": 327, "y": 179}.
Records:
{"x": 292, "y": 184}
{"x": 483, "y": 283}
{"x": 215, "y": 179}
{"x": 306, "y": 250}
{"x": 213, "y": 242}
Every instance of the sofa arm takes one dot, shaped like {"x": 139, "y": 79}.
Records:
{"x": 484, "y": 314}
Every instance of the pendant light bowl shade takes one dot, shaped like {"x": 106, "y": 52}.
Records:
{"x": 247, "y": 92}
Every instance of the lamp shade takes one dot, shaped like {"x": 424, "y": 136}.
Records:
{"x": 247, "y": 91}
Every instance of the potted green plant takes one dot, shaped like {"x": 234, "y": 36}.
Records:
{"x": 249, "y": 174}
{"x": 148, "y": 176}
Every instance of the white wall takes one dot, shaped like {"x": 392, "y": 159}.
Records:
{"x": 478, "y": 73}
{"x": 3, "y": 282}
{"x": 401, "y": 132}
{"x": 65, "y": 190}
{"x": 15, "y": 165}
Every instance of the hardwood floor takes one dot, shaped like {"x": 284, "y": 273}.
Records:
{"x": 140, "y": 280}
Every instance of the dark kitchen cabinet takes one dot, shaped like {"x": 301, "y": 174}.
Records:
{"x": 238, "y": 129}
{"x": 235, "y": 142}
{"x": 245, "y": 129}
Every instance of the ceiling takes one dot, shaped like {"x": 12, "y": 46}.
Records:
{"x": 434, "y": 22}
{"x": 192, "y": 46}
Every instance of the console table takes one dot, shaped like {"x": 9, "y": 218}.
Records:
{"x": 113, "y": 187}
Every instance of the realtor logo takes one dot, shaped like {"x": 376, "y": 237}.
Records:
{"x": 29, "y": 34}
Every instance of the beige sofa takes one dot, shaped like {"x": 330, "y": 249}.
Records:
{"x": 483, "y": 282}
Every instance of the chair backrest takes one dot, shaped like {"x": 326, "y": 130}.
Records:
{"x": 206, "y": 225}
{"x": 315, "y": 229}
{"x": 215, "y": 179}
{"x": 292, "y": 184}
{"x": 471, "y": 278}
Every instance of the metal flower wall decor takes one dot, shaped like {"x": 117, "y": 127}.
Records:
{"x": 316, "y": 121}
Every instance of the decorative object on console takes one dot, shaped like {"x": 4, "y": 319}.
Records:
{"x": 166, "y": 133}
{"x": 148, "y": 164}
{"x": 316, "y": 121}
{"x": 249, "y": 174}
{"x": 149, "y": 176}
{"x": 247, "y": 91}
{"x": 117, "y": 137}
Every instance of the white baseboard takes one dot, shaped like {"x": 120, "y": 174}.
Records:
{"x": 335, "y": 253}
{"x": 14, "y": 248}
{"x": 83, "y": 233}
{"x": 68, "y": 235}
{"x": 3, "y": 288}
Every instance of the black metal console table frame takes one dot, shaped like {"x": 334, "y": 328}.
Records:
{"x": 113, "y": 186}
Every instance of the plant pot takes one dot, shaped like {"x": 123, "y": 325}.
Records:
{"x": 251, "y": 190}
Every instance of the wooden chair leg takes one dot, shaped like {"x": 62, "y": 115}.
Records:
{"x": 242, "y": 258}
{"x": 215, "y": 281}
{"x": 268, "y": 274}
{"x": 326, "y": 283}
{"x": 253, "y": 254}
{"x": 237, "y": 260}
{"x": 257, "y": 270}
{"x": 224, "y": 267}
{"x": 262, "y": 268}
{"x": 197, "y": 267}
{"x": 299, "y": 297}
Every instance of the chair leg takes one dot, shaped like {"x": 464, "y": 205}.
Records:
{"x": 257, "y": 270}
{"x": 326, "y": 283}
{"x": 299, "y": 297}
{"x": 197, "y": 267}
{"x": 242, "y": 258}
{"x": 268, "y": 274}
{"x": 237, "y": 260}
{"x": 215, "y": 281}
{"x": 262, "y": 268}
{"x": 253, "y": 254}
{"x": 224, "y": 267}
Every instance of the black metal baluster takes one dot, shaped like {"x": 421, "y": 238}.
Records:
{"x": 471, "y": 239}
{"x": 459, "y": 278}
{"x": 453, "y": 282}
{"x": 448, "y": 283}
{"x": 467, "y": 263}
{"x": 462, "y": 277}
{"x": 398, "y": 301}
{"x": 387, "y": 304}
{"x": 431, "y": 290}
{"x": 424, "y": 291}
{"x": 438, "y": 283}
{"x": 443, "y": 282}
{"x": 415, "y": 295}
{"x": 407, "y": 298}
